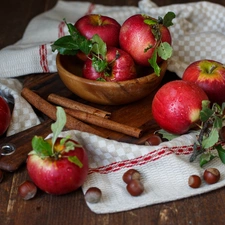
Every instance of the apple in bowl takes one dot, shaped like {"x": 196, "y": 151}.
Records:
{"x": 120, "y": 67}
{"x": 106, "y": 27}
{"x": 147, "y": 39}
{"x": 210, "y": 76}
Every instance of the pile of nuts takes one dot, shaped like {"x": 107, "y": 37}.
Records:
{"x": 133, "y": 180}
{"x": 131, "y": 177}
{"x": 210, "y": 175}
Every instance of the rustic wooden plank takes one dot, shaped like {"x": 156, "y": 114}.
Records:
{"x": 206, "y": 209}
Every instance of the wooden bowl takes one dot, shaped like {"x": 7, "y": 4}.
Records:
{"x": 107, "y": 93}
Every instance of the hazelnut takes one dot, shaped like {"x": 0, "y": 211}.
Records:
{"x": 27, "y": 190}
{"x": 1, "y": 176}
{"x": 153, "y": 140}
{"x": 211, "y": 175}
{"x": 93, "y": 195}
{"x": 194, "y": 181}
{"x": 131, "y": 174}
{"x": 135, "y": 187}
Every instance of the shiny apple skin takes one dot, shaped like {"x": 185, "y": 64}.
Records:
{"x": 5, "y": 116}
{"x": 106, "y": 27}
{"x": 176, "y": 106}
{"x": 135, "y": 36}
{"x": 120, "y": 69}
{"x": 58, "y": 176}
{"x": 213, "y": 83}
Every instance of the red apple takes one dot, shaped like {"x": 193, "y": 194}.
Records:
{"x": 5, "y": 115}
{"x": 176, "y": 106}
{"x": 210, "y": 76}
{"x": 140, "y": 39}
{"x": 56, "y": 174}
{"x": 120, "y": 67}
{"x": 106, "y": 27}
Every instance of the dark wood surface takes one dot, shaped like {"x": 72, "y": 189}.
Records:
{"x": 205, "y": 209}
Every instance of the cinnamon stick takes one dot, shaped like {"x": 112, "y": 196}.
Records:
{"x": 71, "y": 104}
{"x": 50, "y": 110}
{"x": 105, "y": 123}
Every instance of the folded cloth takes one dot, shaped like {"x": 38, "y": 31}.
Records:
{"x": 23, "y": 116}
{"x": 198, "y": 32}
{"x": 164, "y": 170}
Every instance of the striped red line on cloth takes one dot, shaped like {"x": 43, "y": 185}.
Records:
{"x": 90, "y": 9}
{"x": 150, "y": 157}
{"x": 43, "y": 58}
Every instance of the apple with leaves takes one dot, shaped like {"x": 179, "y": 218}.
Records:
{"x": 176, "y": 106}
{"x": 106, "y": 27}
{"x": 146, "y": 39}
{"x": 57, "y": 165}
{"x": 210, "y": 76}
{"x": 5, "y": 115}
{"x": 116, "y": 65}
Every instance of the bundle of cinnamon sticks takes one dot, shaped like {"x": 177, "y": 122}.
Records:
{"x": 79, "y": 116}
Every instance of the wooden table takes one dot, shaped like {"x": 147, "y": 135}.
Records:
{"x": 205, "y": 209}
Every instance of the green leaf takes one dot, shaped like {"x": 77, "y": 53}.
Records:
{"x": 76, "y": 161}
{"x": 99, "y": 64}
{"x": 58, "y": 126}
{"x": 65, "y": 46}
{"x": 101, "y": 79}
{"x": 206, "y": 112}
{"x": 167, "y": 135}
{"x": 221, "y": 153}
{"x": 70, "y": 145}
{"x": 211, "y": 140}
{"x": 41, "y": 147}
{"x": 63, "y": 140}
{"x": 150, "y": 21}
{"x": 205, "y": 104}
{"x": 153, "y": 63}
{"x": 71, "y": 44}
{"x": 218, "y": 122}
{"x": 71, "y": 28}
{"x": 99, "y": 46}
{"x": 223, "y": 107}
{"x": 168, "y": 18}
{"x": 165, "y": 50}
{"x": 205, "y": 158}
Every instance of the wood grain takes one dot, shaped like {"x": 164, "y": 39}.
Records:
{"x": 205, "y": 209}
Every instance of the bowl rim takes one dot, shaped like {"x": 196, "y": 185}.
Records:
{"x": 163, "y": 65}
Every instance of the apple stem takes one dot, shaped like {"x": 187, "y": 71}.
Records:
{"x": 212, "y": 68}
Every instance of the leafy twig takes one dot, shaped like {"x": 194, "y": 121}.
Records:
{"x": 208, "y": 138}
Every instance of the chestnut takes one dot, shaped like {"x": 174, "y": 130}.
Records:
{"x": 135, "y": 187}
{"x": 27, "y": 190}
{"x": 93, "y": 195}
{"x": 211, "y": 175}
{"x": 194, "y": 181}
{"x": 131, "y": 174}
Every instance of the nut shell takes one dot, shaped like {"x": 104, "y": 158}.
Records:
{"x": 194, "y": 181}
{"x": 131, "y": 174}
{"x": 135, "y": 187}
{"x": 27, "y": 190}
{"x": 211, "y": 175}
{"x": 93, "y": 195}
